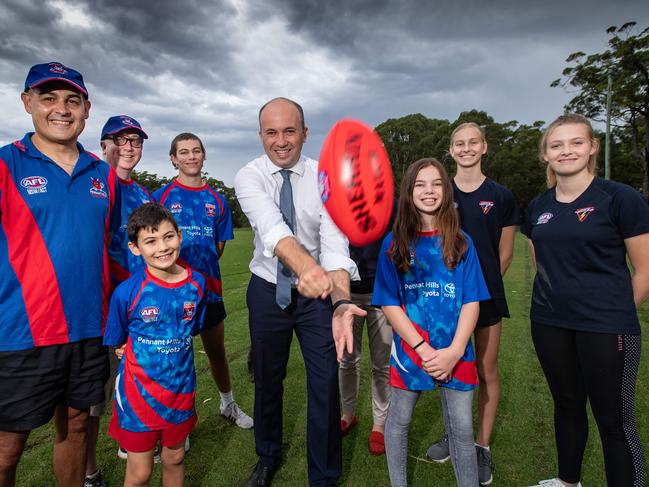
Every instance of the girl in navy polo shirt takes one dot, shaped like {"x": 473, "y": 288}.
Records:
{"x": 584, "y": 321}
{"x": 428, "y": 283}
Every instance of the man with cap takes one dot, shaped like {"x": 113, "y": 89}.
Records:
{"x": 58, "y": 204}
{"x": 122, "y": 140}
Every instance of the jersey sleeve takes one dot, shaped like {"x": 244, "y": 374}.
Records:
{"x": 630, "y": 212}
{"x": 386, "y": 280}
{"x": 526, "y": 226}
{"x": 474, "y": 288}
{"x": 115, "y": 216}
{"x": 511, "y": 215}
{"x": 224, "y": 226}
{"x": 116, "y": 331}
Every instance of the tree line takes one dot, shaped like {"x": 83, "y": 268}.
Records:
{"x": 513, "y": 158}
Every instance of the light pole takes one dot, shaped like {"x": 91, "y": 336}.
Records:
{"x": 607, "y": 148}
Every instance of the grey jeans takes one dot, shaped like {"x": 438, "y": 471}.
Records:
{"x": 458, "y": 420}
{"x": 379, "y": 334}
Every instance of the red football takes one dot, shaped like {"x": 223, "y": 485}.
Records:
{"x": 355, "y": 180}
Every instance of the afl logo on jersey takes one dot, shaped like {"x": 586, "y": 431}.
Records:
{"x": 486, "y": 206}
{"x": 210, "y": 210}
{"x": 150, "y": 314}
{"x": 176, "y": 208}
{"x": 582, "y": 213}
{"x": 189, "y": 309}
{"x": 97, "y": 188}
{"x": 544, "y": 218}
{"x": 34, "y": 184}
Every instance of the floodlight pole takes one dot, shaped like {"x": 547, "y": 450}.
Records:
{"x": 607, "y": 148}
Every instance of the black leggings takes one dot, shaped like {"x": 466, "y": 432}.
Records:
{"x": 602, "y": 368}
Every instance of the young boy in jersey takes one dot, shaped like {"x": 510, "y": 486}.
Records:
{"x": 122, "y": 141}
{"x": 153, "y": 316}
{"x": 205, "y": 218}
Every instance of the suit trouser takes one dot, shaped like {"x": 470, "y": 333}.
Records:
{"x": 379, "y": 334}
{"x": 271, "y": 332}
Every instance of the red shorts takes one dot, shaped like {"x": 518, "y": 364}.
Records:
{"x": 141, "y": 441}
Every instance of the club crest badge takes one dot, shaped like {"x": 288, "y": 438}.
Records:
{"x": 97, "y": 188}
{"x": 34, "y": 184}
{"x": 57, "y": 68}
{"x": 189, "y": 309}
{"x": 210, "y": 210}
{"x": 544, "y": 218}
{"x": 150, "y": 314}
{"x": 582, "y": 213}
{"x": 486, "y": 206}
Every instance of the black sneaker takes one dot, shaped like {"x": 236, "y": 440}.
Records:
{"x": 485, "y": 465}
{"x": 439, "y": 452}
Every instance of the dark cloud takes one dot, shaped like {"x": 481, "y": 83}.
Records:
{"x": 207, "y": 66}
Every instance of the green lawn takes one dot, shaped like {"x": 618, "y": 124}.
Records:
{"x": 223, "y": 455}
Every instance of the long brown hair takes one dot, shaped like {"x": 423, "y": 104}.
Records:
{"x": 566, "y": 119}
{"x": 408, "y": 222}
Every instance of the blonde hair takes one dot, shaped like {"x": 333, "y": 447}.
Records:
{"x": 469, "y": 125}
{"x": 567, "y": 119}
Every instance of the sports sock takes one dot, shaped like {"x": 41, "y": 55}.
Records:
{"x": 226, "y": 398}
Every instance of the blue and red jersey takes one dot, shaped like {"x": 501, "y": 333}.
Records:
{"x": 432, "y": 296}
{"x": 54, "y": 228}
{"x": 205, "y": 219}
{"x": 155, "y": 386}
{"x": 123, "y": 263}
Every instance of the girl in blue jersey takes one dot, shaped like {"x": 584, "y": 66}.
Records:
{"x": 584, "y": 321}
{"x": 489, "y": 215}
{"x": 428, "y": 283}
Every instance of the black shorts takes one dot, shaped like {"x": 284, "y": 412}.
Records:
{"x": 33, "y": 382}
{"x": 492, "y": 312}
{"x": 214, "y": 314}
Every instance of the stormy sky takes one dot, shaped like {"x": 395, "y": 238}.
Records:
{"x": 207, "y": 66}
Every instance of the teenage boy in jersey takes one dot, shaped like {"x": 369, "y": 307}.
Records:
{"x": 56, "y": 209}
{"x": 122, "y": 140}
{"x": 153, "y": 316}
{"x": 205, "y": 218}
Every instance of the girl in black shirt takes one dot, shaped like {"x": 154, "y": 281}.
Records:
{"x": 584, "y": 321}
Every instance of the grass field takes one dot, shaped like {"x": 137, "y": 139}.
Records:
{"x": 223, "y": 455}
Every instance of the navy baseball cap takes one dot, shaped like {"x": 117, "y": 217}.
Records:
{"x": 118, "y": 124}
{"x": 42, "y": 73}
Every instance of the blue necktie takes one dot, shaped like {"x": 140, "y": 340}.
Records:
{"x": 284, "y": 274}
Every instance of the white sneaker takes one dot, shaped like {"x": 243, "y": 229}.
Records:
{"x": 123, "y": 454}
{"x": 232, "y": 412}
{"x": 552, "y": 483}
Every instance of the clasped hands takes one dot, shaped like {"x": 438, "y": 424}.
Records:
{"x": 438, "y": 363}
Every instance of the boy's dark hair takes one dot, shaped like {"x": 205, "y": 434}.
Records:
{"x": 149, "y": 215}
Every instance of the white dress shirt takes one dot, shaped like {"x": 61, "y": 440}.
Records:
{"x": 257, "y": 186}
